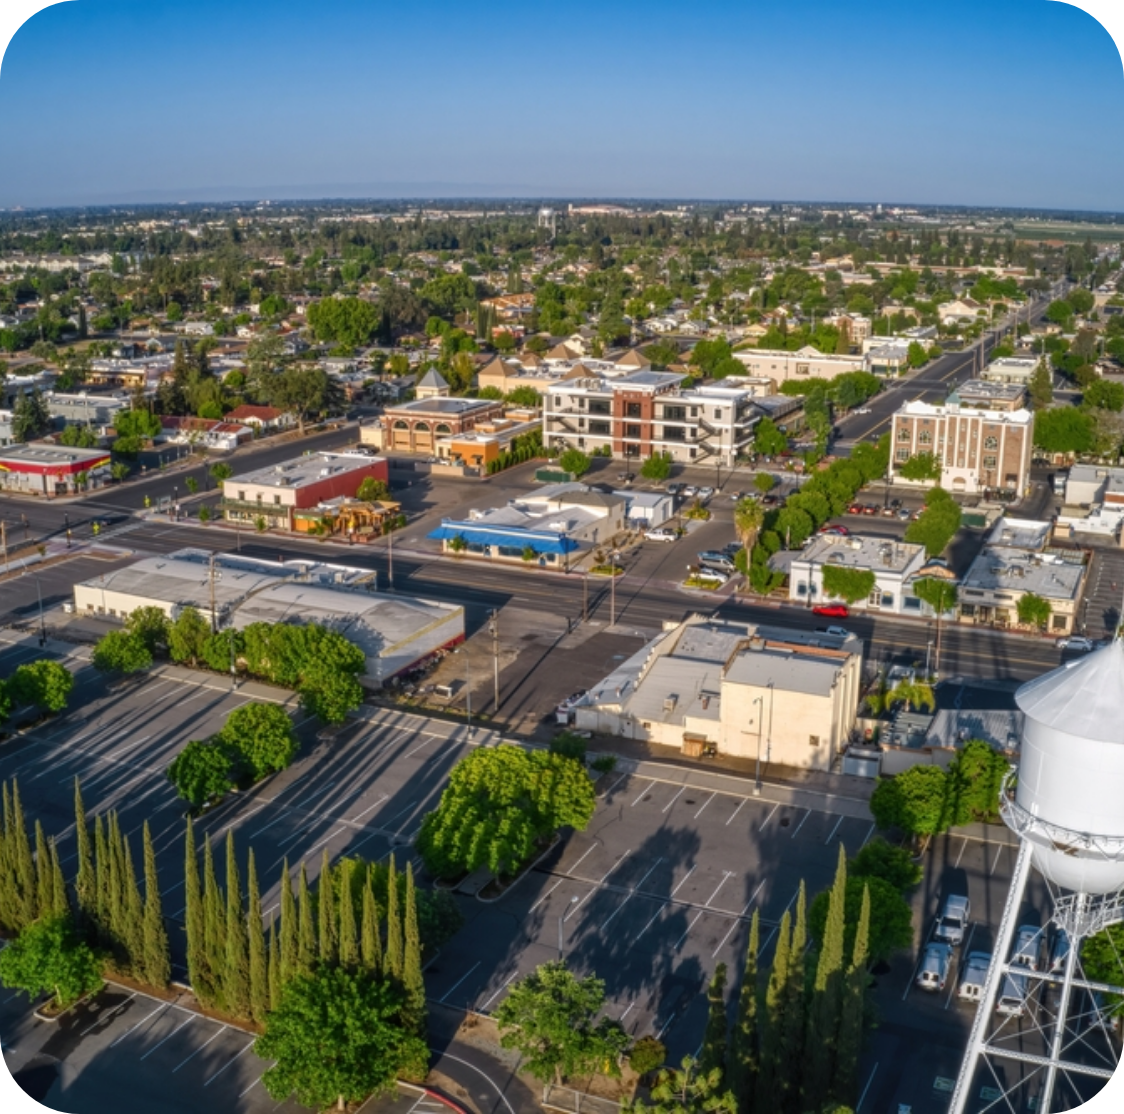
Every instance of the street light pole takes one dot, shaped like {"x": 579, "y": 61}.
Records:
{"x": 42, "y": 625}
{"x": 495, "y": 626}
{"x": 467, "y": 688}
{"x": 613, "y": 588}
{"x": 760, "y": 724}
{"x": 561, "y": 918}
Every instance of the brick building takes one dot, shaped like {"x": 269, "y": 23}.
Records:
{"x": 981, "y": 437}
{"x": 276, "y": 492}
{"x": 414, "y": 427}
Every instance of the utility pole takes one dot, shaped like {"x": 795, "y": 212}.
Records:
{"x": 4, "y": 542}
{"x": 390, "y": 555}
{"x": 495, "y": 625}
{"x": 585, "y": 597}
{"x": 214, "y": 620}
{"x": 613, "y": 589}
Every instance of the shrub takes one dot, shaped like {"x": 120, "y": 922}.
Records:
{"x": 647, "y": 1054}
{"x": 604, "y": 763}
{"x": 569, "y": 745}
{"x": 880, "y": 859}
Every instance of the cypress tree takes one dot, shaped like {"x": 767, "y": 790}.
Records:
{"x": 9, "y": 893}
{"x": 43, "y": 898}
{"x": 327, "y": 912}
{"x": 198, "y": 972}
{"x": 22, "y": 861}
{"x": 349, "y": 944}
{"x": 370, "y": 941}
{"x": 412, "y": 979}
{"x": 214, "y": 924}
{"x": 157, "y": 961}
{"x": 714, "y": 1039}
{"x": 116, "y": 899}
{"x": 236, "y": 972}
{"x": 101, "y": 878}
{"x": 259, "y": 957}
{"x": 845, "y": 1084}
{"x": 773, "y": 1020}
{"x": 741, "y": 1064}
{"x": 274, "y": 969}
{"x": 60, "y": 899}
{"x": 85, "y": 884}
{"x": 133, "y": 923}
{"x": 393, "y": 924}
{"x": 795, "y": 1018}
{"x": 827, "y": 999}
{"x": 306, "y": 933}
{"x": 288, "y": 954}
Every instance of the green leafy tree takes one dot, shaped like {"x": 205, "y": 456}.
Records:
{"x": 328, "y": 694}
{"x": 742, "y": 1058}
{"x": 500, "y": 804}
{"x": 938, "y": 523}
{"x": 119, "y": 651}
{"x": 850, "y": 585}
{"x": 773, "y": 1019}
{"x": 827, "y": 996}
{"x": 657, "y": 467}
{"x": 853, "y": 1014}
{"x": 975, "y": 777}
{"x": 201, "y": 773}
{"x": 940, "y": 595}
{"x": 1041, "y": 386}
{"x": 687, "y": 1090}
{"x": 220, "y": 472}
{"x": 260, "y": 737}
{"x": 30, "y": 417}
{"x": 891, "y": 863}
{"x": 156, "y": 962}
{"x": 336, "y": 1038}
{"x": 550, "y": 1018}
{"x": 713, "y": 1054}
{"x": 1033, "y": 610}
{"x": 916, "y": 354}
{"x": 46, "y": 683}
{"x": 764, "y": 482}
{"x": 259, "y": 956}
{"x": 1064, "y": 430}
{"x": 187, "y": 636}
{"x": 414, "y": 1011}
{"x": 749, "y": 516}
{"x": 1105, "y": 395}
{"x": 920, "y": 466}
{"x": 575, "y": 462}
{"x": 372, "y": 490}
{"x": 48, "y": 955}
{"x": 768, "y": 439}
{"x": 916, "y": 801}
{"x": 150, "y": 625}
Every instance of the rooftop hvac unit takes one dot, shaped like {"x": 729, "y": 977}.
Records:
{"x": 669, "y": 702}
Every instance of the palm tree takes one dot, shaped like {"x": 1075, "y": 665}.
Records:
{"x": 914, "y": 692}
{"x": 748, "y": 517}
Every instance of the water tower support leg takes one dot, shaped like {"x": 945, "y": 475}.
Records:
{"x": 977, "y": 1039}
{"x": 1061, "y": 1022}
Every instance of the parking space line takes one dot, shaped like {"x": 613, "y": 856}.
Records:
{"x": 995, "y": 863}
{"x": 546, "y": 895}
{"x": 218, "y": 1033}
{"x": 576, "y": 905}
{"x": 609, "y": 791}
{"x": 493, "y": 997}
{"x": 420, "y": 746}
{"x": 189, "y": 1020}
{"x": 652, "y": 921}
{"x": 459, "y": 981}
{"x": 615, "y": 865}
{"x": 145, "y": 1019}
{"x": 688, "y": 930}
{"x": 801, "y": 824}
{"x": 643, "y": 793}
{"x": 628, "y": 1010}
{"x": 726, "y": 876}
{"x": 963, "y": 847}
{"x": 674, "y": 799}
{"x": 582, "y": 859}
{"x": 737, "y": 810}
{"x": 683, "y": 879}
{"x": 251, "y": 1087}
{"x": 102, "y": 1018}
{"x": 630, "y": 895}
{"x": 705, "y": 803}
{"x": 326, "y": 839}
{"x": 403, "y": 812}
{"x": 833, "y": 831}
{"x": 738, "y": 920}
{"x": 869, "y": 833}
{"x": 245, "y": 1049}
{"x": 858, "y": 1105}
{"x": 384, "y": 797}
{"x": 769, "y": 817}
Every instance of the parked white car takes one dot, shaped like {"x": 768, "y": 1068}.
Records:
{"x": 660, "y": 534}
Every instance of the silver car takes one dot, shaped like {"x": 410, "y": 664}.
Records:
{"x": 935, "y": 965}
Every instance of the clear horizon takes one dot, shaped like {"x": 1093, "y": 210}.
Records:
{"x": 1007, "y": 105}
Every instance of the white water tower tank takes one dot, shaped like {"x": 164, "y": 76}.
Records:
{"x": 1069, "y": 804}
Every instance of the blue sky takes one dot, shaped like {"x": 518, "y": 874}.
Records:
{"x": 1004, "y": 102}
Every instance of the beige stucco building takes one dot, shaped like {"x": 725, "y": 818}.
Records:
{"x": 787, "y": 696}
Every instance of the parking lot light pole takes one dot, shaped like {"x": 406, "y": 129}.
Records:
{"x": 613, "y": 588}
{"x": 561, "y": 918}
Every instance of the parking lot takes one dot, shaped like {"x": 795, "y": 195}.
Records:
{"x": 651, "y": 897}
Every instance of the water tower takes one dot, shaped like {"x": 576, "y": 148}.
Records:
{"x": 1066, "y": 804}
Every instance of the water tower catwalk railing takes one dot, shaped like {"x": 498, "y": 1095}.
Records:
{"x": 1064, "y": 1031}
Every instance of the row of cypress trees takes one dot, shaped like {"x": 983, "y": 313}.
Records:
{"x": 797, "y": 1034}
{"x": 105, "y": 899}
{"x": 238, "y": 966}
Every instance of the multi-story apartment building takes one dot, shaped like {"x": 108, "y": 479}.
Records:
{"x": 980, "y": 437}
{"x": 650, "y": 412}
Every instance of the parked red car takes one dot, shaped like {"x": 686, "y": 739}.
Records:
{"x": 833, "y": 528}
{"x": 855, "y": 508}
{"x": 832, "y": 610}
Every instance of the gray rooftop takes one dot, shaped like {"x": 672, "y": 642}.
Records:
{"x": 441, "y": 405}
{"x": 1002, "y": 568}
{"x": 303, "y": 470}
{"x": 785, "y": 669}
{"x": 1020, "y": 533}
{"x": 45, "y": 452}
{"x": 859, "y": 552}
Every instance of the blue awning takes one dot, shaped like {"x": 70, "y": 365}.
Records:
{"x": 514, "y": 537}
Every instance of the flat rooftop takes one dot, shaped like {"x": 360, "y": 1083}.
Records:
{"x": 303, "y": 470}
{"x": 1000, "y": 568}
{"x": 1020, "y": 533}
{"x": 45, "y": 452}
{"x": 447, "y": 406}
{"x": 860, "y": 552}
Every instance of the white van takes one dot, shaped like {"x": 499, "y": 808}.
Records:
{"x": 1012, "y": 995}
{"x": 973, "y": 976}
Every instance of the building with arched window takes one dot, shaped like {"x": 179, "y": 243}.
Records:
{"x": 417, "y": 426}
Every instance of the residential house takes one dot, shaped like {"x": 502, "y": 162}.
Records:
{"x": 262, "y": 419}
{"x": 209, "y": 433}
